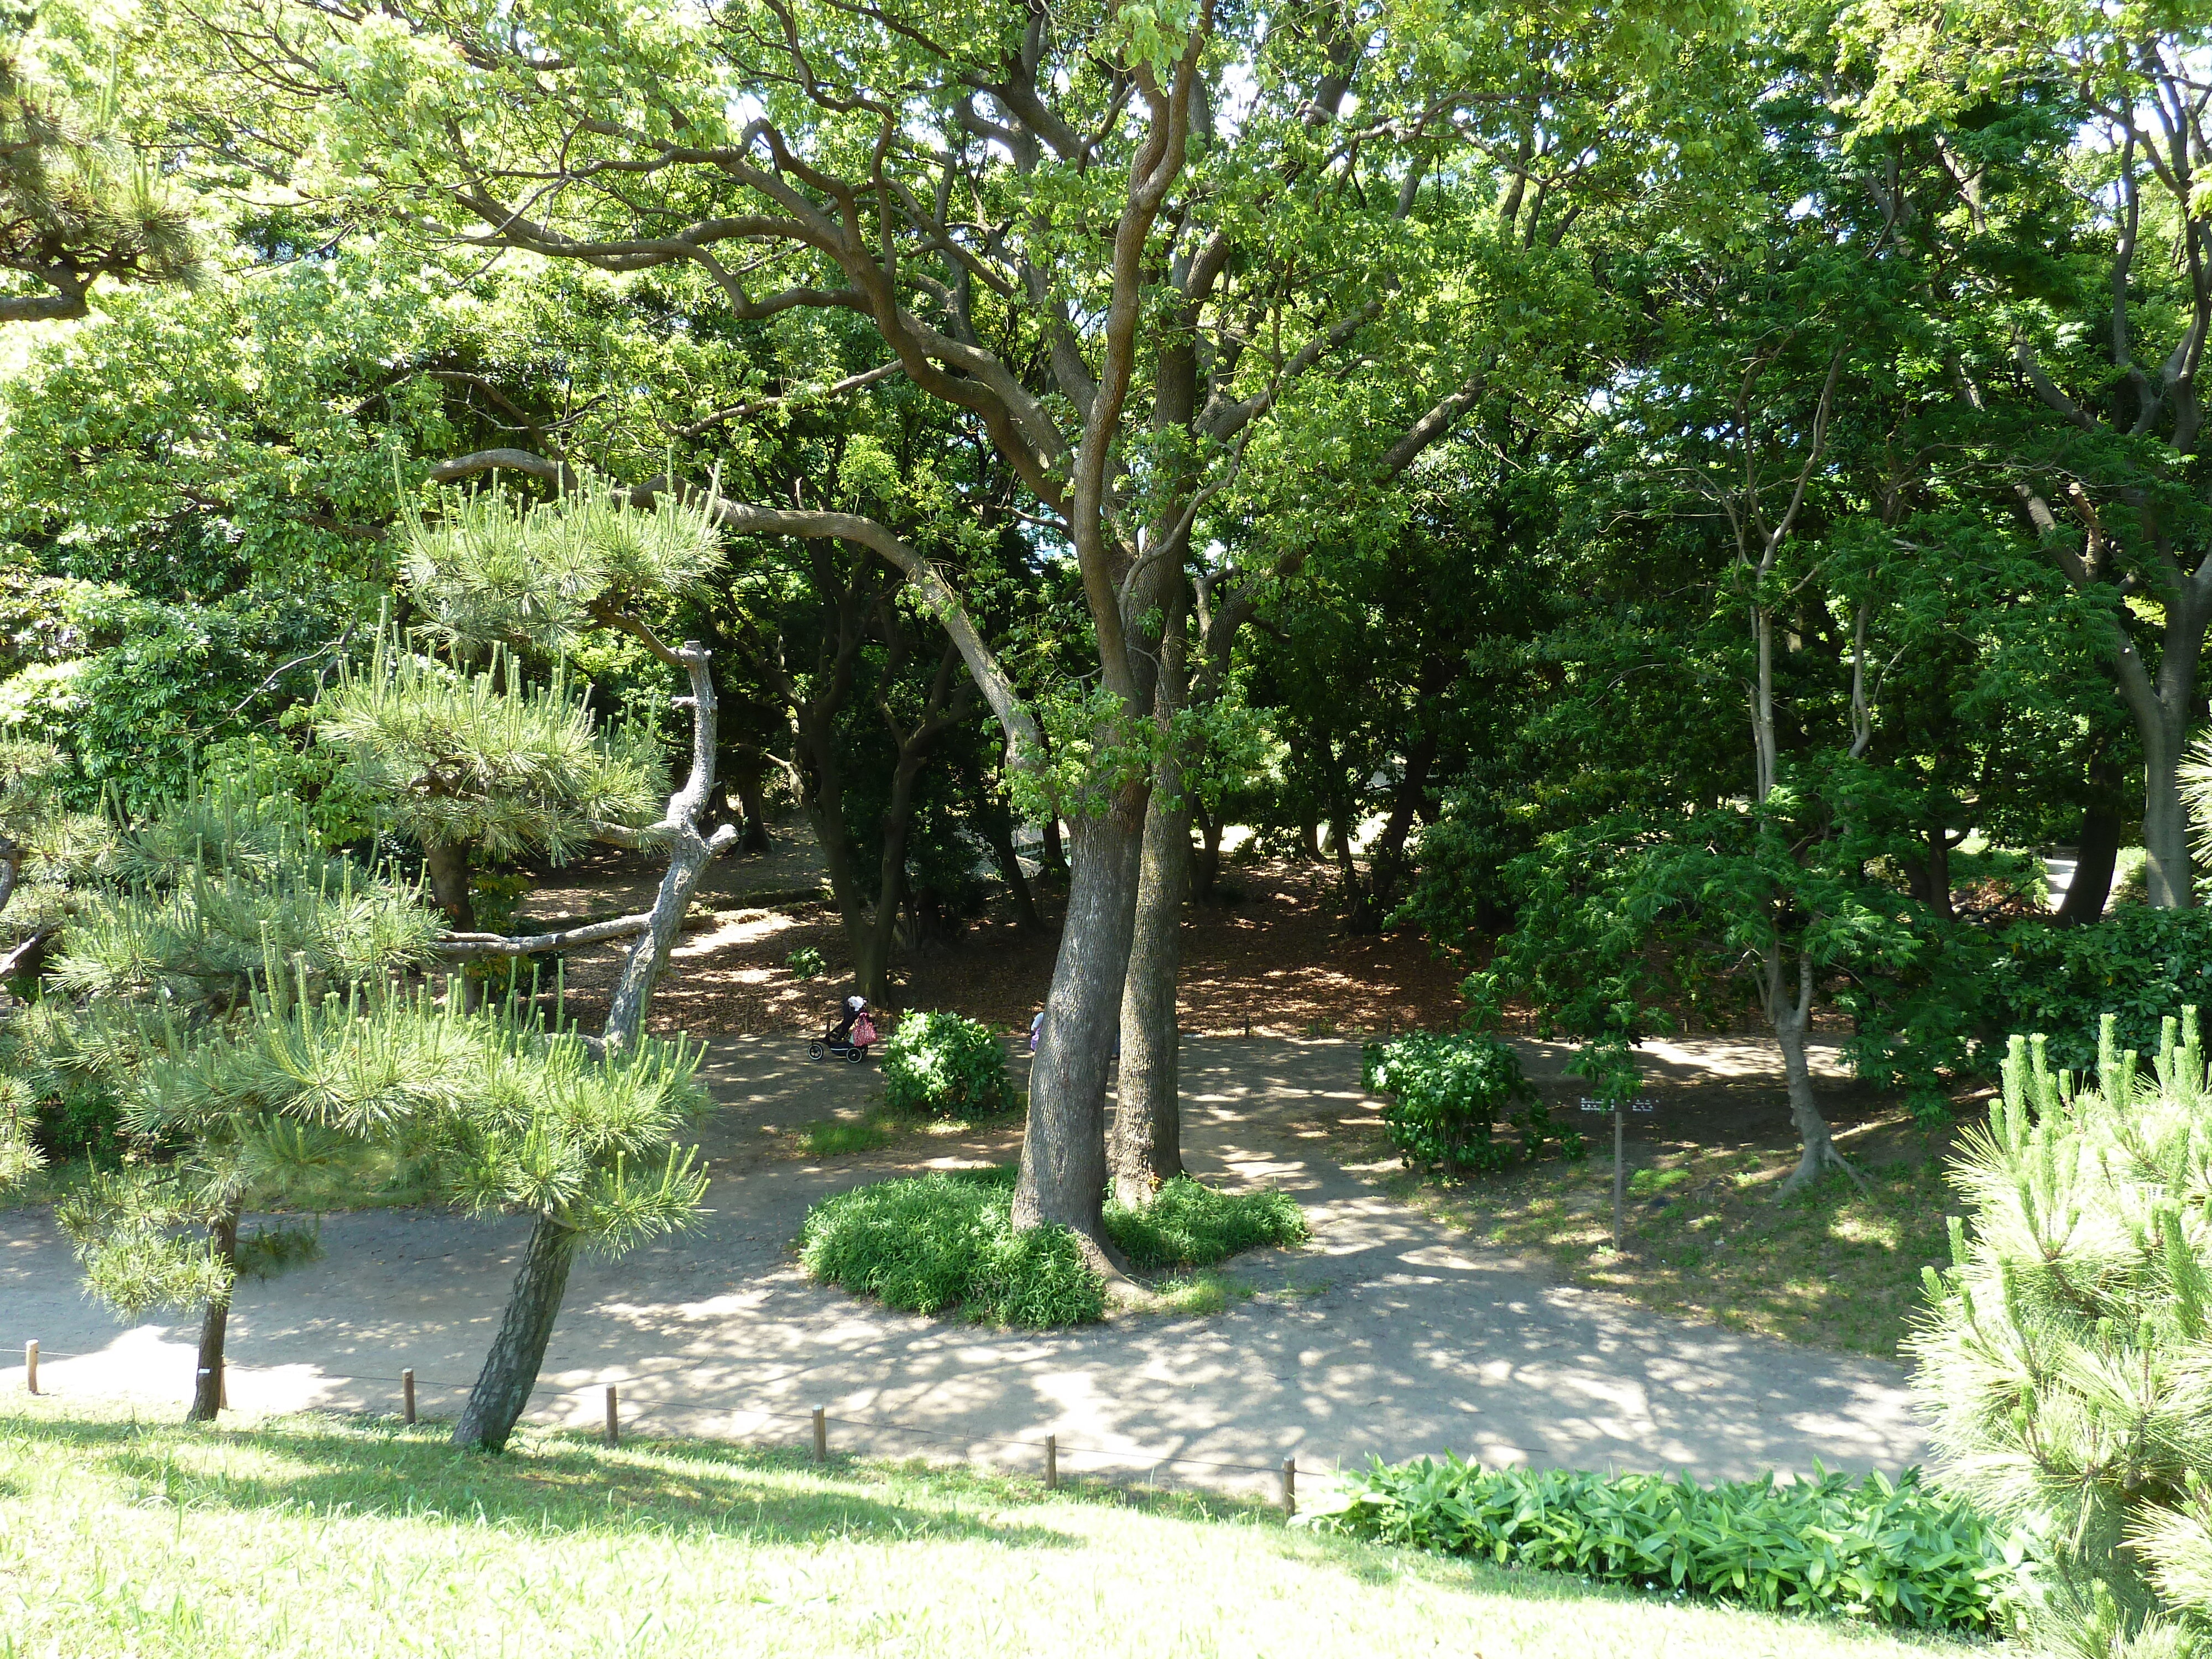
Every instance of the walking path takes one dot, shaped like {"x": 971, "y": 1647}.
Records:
{"x": 1388, "y": 1336}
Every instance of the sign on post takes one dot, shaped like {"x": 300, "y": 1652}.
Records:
{"x": 1620, "y": 1168}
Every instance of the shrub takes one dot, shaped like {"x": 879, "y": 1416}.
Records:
{"x": 805, "y": 962}
{"x": 2066, "y": 1363}
{"x": 1190, "y": 1225}
{"x": 2139, "y": 964}
{"x": 1897, "y": 1553}
{"x": 929, "y": 1242}
{"x": 934, "y": 1242}
{"x": 1450, "y": 1096}
{"x": 944, "y": 1066}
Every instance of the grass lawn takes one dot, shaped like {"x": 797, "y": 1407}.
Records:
{"x": 1706, "y": 1235}
{"x": 330, "y": 1537}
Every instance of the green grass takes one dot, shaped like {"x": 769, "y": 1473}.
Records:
{"x": 1201, "y": 1292}
{"x": 311, "y": 1537}
{"x": 930, "y": 1242}
{"x": 1707, "y": 1235}
{"x": 830, "y": 1137}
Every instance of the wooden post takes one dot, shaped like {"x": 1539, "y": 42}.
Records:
{"x": 31, "y": 1365}
{"x": 1052, "y": 1463}
{"x": 1620, "y": 1175}
{"x": 407, "y": 1396}
{"x": 614, "y": 1417}
{"x": 821, "y": 1436}
{"x": 1290, "y": 1486}
{"x": 222, "y": 1384}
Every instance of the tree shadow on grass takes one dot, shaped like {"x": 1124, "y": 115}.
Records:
{"x": 549, "y": 1483}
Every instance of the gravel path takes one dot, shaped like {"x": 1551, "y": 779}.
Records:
{"x": 1388, "y": 1335}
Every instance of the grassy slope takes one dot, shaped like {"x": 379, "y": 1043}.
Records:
{"x": 322, "y": 1537}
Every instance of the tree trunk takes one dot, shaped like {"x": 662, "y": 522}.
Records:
{"x": 1063, "y": 1176}
{"x": 754, "y": 805}
{"x": 1053, "y": 856}
{"x": 998, "y": 832}
{"x": 1147, "y": 1144}
{"x": 215, "y": 1325}
{"x": 510, "y": 1370}
{"x": 1206, "y": 866}
{"x": 2168, "y": 878}
{"x": 1939, "y": 873}
{"x": 1790, "y": 1020}
{"x": 1310, "y": 840}
{"x": 2097, "y": 852}
{"x": 447, "y": 866}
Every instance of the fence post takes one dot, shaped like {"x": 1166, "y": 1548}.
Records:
{"x": 614, "y": 1417}
{"x": 222, "y": 1384}
{"x": 1290, "y": 1486}
{"x": 31, "y": 1365}
{"x": 1052, "y": 1463}
{"x": 407, "y": 1396}
{"x": 821, "y": 1436}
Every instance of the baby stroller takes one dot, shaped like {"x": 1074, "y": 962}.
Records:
{"x": 848, "y": 1035}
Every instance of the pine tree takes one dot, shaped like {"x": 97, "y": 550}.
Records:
{"x": 470, "y": 764}
{"x": 2066, "y": 1364}
{"x": 491, "y": 570}
{"x": 75, "y": 207}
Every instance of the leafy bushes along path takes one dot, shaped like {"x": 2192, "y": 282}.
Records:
{"x": 1452, "y": 1097}
{"x": 930, "y": 1242}
{"x": 1898, "y": 1554}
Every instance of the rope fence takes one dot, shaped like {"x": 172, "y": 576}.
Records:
{"x": 1049, "y": 1448}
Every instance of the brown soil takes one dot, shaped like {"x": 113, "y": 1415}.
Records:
{"x": 1271, "y": 956}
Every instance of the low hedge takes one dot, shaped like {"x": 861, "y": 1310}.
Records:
{"x": 1897, "y": 1553}
{"x": 942, "y": 1065}
{"x": 928, "y": 1243}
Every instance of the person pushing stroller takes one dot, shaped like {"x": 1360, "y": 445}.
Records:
{"x": 848, "y": 1036}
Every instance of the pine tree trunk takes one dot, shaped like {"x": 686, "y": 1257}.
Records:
{"x": 215, "y": 1324}
{"x": 1147, "y": 1142}
{"x": 1063, "y": 1174}
{"x": 510, "y": 1370}
{"x": 446, "y": 863}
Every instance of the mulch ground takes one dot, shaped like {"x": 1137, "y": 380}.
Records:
{"x": 1270, "y": 955}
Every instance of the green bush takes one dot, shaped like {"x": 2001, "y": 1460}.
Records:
{"x": 935, "y": 1242}
{"x": 2066, "y": 1364}
{"x": 1190, "y": 1225}
{"x": 944, "y": 1066}
{"x": 929, "y": 1242}
{"x": 805, "y": 962}
{"x": 1898, "y": 1554}
{"x": 1450, "y": 1096}
{"x": 2139, "y": 964}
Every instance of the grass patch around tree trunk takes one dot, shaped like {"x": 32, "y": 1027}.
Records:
{"x": 933, "y": 1242}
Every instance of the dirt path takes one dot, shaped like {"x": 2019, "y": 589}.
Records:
{"x": 1388, "y": 1335}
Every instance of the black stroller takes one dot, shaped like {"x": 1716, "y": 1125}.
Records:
{"x": 848, "y": 1035}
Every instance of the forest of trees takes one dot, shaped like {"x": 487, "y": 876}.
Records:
{"x": 1682, "y": 501}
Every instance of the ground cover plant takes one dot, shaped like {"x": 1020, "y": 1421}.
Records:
{"x": 928, "y": 1243}
{"x": 303, "y": 1537}
{"x": 944, "y": 1064}
{"x": 1896, "y": 1554}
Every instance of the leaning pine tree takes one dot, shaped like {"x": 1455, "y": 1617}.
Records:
{"x": 494, "y": 570}
{"x": 2066, "y": 1364}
